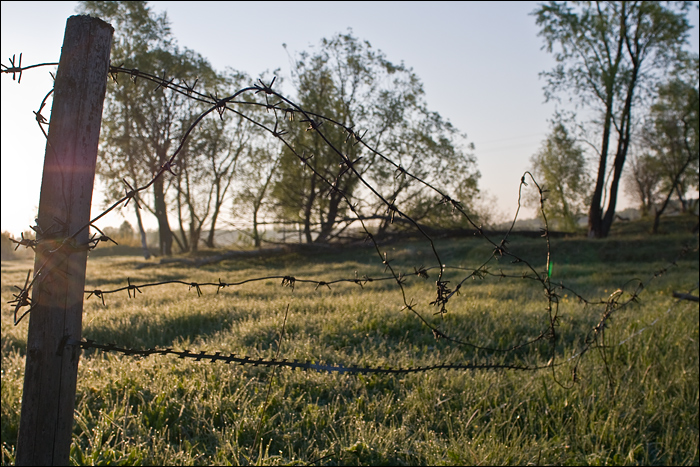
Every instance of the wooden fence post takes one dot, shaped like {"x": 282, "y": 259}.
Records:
{"x": 55, "y": 321}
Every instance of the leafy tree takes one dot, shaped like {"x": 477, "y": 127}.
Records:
{"x": 213, "y": 160}
{"x": 255, "y": 178}
{"x": 126, "y": 231}
{"x": 122, "y": 235}
{"x": 352, "y": 84}
{"x": 431, "y": 149}
{"x": 609, "y": 54}
{"x": 7, "y": 248}
{"x": 327, "y": 84}
{"x": 143, "y": 126}
{"x": 643, "y": 181}
{"x": 672, "y": 135}
{"x": 560, "y": 168}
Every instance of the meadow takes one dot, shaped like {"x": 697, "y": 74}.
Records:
{"x": 634, "y": 399}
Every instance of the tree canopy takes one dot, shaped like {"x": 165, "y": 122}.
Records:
{"x": 560, "y": 168}
{"x": 356, "y": 86}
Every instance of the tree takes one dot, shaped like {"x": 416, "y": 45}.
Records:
{"x": 672, "y": 135}
{"x": 205, "y": 170}
{"x": 327, "y": 84}
{"x": 354, "y": 85}
{"x": 7, "y": 248}
{"x": 560, "y": 169}
{"x": 643, "y": 181}
{"x": 142, "y": 126}
{"x": 122, "y": 235}
{"x": 250, "y": 159}
{"x": 432, "y": 150}
{"x": 126, "y": 231}
{"x": 609, "y": 54}
{"x": 259, "y": 166}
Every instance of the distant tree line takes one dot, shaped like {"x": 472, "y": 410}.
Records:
{"x": 9, "y": 248}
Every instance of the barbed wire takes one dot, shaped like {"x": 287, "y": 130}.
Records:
{"x": 86, "y": 344}
{"x": 443, "y": 292}
{"x": 293, "y": 364}
{"x": 61, "y": 244}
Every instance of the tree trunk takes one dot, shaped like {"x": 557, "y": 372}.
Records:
{"x": 257, "y": 204}
{"x": 256, "y": 236}
{"x": 329, "y": 223}
{"x": 184, "y": 247}
{"x": 308, "y": 210}
{"x": 595, "y": 211}
{"x": 623, "y": 143}
{"x": 165, "y": 235}
{"x": 195, "y": 233}
{"x": 657, "y": 217}
{"x": 674, "y": 186}
{"x": 217, "y": 208}
{"x": 142, "y": 233}
{"x": 684, "y": 204}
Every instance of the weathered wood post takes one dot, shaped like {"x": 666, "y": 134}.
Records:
{"x": 55, "y": 322}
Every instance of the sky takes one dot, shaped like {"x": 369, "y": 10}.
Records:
{"x": 479, "y": 63}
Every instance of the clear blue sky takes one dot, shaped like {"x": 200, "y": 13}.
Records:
{"x": 478, "y": 61}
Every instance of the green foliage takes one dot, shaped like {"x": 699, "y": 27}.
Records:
{"x": 610, "y": 54}
{"x": 672, "y": 132}
{"x": 143, "y": 127}
{"x": 345, "y": 84}
{"x": 669, "y": 145}
{"x": 643, "y": 181}
{"x": 560, "y": 169}
{"x": 350, "y": 83}
{"x": 167, "y": 411}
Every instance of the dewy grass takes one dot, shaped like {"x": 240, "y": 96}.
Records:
{"x": 635, "y": 401}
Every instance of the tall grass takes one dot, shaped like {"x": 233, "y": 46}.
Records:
{"x": 634, "y": 403}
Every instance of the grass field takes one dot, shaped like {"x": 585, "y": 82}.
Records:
{"x": 638, "y": 405}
